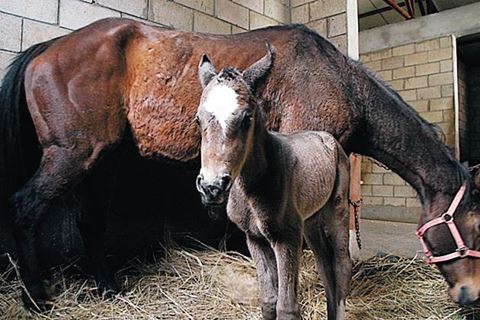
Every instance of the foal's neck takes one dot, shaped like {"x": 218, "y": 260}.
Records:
{"x": 258, "y": 161}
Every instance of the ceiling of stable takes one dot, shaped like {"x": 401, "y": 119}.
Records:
{"x": 375, "y": 13}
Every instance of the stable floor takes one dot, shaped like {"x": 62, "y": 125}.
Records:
{"x": 385, "y": 237}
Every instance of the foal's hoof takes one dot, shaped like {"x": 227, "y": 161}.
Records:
{"x": 288, "y": 315}
{"x": 37, "y": 302}
{"x": 269, "y": 312}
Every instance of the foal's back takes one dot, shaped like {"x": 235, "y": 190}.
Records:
{"x": 318, "y": 161}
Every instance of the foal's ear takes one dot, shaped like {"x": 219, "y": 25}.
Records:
{"x": 206, "y": 70}
{"x": 259, "y": 69}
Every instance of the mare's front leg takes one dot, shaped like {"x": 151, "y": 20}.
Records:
{"x": 266, "y": 265}
{"x": 288, "y": 251}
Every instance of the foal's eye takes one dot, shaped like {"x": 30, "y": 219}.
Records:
{"x": 246, "y": 120}
{"x": 197, "y": 120}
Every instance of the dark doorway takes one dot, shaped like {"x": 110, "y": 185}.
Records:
{"x": 469, "y": 97}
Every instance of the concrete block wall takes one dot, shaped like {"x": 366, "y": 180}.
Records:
{"x": 26, "y": 22}
{"x": 422, "y": 73}
{"x": 327, "y": 17}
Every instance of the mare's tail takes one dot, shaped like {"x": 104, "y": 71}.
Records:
{"x": 19, "y": 150}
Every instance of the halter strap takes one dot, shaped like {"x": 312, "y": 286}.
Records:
{"x": 462, "y": 250}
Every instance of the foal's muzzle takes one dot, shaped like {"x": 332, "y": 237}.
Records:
{"x": 215, "y": 192}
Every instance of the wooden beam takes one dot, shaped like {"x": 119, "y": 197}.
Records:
{"x": 355, "y": 196}
{"x": 355, "y": 183}
{"x": 378, "y": 11}
{"x": 396, "y": 7}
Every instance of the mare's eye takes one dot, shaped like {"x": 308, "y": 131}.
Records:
{"x": 197, "y": 120}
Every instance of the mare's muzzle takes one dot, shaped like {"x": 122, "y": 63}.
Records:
{"x": 214, "y": 192}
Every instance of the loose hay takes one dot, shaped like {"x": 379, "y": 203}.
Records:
{"x": 215, "y": 285}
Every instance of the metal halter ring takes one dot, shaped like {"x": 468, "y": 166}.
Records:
{"x": 447, "y": 217}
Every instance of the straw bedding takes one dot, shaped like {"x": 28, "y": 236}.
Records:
{"x": 209, "y": 284}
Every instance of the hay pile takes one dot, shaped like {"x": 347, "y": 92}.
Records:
{"x": 214, "y": 285}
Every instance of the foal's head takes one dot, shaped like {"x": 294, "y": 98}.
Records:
{"x": 227, "y": 117}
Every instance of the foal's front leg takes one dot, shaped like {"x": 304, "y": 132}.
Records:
{"x": 266, "y": 265}
{"x": 288, "y": 253}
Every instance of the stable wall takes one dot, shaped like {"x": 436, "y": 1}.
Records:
{"x": 26, "y": 22}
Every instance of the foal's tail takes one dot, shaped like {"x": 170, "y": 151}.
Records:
{"x": 19, "y": 151}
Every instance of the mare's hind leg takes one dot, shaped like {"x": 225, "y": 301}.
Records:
{"x": 98, "y": 191}
{"x": 59, "y": 169}
{"x": 266, "y": 265}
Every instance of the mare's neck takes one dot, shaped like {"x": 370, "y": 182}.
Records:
{"x": 399, "y": 138}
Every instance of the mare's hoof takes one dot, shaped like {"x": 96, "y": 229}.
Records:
{"x": 108, "y": 291}
{"x": 37, "y": 302}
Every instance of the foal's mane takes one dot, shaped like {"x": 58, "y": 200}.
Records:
{"x": 228, "y": 74}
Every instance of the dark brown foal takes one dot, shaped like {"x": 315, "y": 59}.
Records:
{"x": 278, "y": 187}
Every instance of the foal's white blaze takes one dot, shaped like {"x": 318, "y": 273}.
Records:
{"x": 221, "y": 101}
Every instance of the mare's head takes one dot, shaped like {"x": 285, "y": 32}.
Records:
{"x": 227, "y": 116}
{"x": 461, "y": 251}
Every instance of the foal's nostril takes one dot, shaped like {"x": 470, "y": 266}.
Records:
{"x": 226, "y": 181}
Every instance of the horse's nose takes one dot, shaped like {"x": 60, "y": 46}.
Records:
{"x": 214, "y": 191}
{"x": 466, "y": 297}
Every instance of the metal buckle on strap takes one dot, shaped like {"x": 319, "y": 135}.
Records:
{"x": 463, "y": 252}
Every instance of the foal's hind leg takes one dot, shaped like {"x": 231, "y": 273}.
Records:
{"x": 337, "y": 227}
{"x": 318, "y": 242}
{"x": 60, "y": 168}
{"x": 328, "y": 236}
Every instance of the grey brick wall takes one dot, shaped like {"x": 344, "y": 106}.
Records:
{"x": 26, "y": 22}
{"x": 327, "y": 17}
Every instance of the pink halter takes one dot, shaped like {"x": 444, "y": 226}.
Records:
{"x": 462, "y": 250}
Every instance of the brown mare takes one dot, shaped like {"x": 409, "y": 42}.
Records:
{"x": 80, "y": 96}
{"x": 279, "y": 188}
